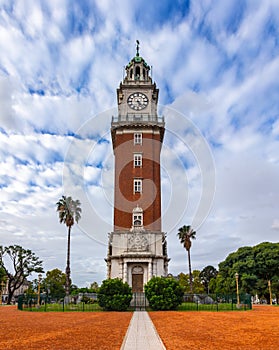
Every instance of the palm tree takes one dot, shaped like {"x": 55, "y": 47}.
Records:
{"x": 69, "y": 212}
{"x": 186, "y": 234}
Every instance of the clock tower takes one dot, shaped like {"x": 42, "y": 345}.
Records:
{"x": 137, "y": 248}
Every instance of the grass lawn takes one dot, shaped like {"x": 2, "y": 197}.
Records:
{"x": 211, "y": 307}
{"x": 67, "y": 307}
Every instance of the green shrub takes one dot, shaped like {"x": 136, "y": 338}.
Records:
{"x": 114, "y": 295}
{"x": 163, "y": 293}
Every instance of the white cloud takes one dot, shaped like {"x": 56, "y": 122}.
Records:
{"x": 59, "y": 67}
{"x": 275, "y": 224}
{"x": 275, "y": 127}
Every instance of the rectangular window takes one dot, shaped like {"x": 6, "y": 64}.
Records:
{"x": 137, "y": 186}
{"x": 137, "y": 138}
{"x": 137, "y": 160}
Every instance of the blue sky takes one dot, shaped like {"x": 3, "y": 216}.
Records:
{"x": 216, "y": 64}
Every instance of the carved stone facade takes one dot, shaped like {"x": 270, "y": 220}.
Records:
{"x": 137, "y": 246}
{"x": 138, "y": 242}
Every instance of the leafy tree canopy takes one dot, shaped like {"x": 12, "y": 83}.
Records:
{"x": 18, "y": 263}
{"x": 94, "y": 286}
{"x": 54, "y": 283}
{"x": 206, "y": 276}
{"x": 184, "y": 281}
{"x": 3, "y": 276}
{"x": 254, "y": 265}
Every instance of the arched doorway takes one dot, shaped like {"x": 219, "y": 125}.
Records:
{"x": 137, "y": 279}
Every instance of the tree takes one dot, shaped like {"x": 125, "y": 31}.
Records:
{"x": 255, "y": 265}
{"x": 54, "y": 283}
{"x": 23, "y": 263}
{"x": 206, "y": 276}
{"x": 69, "y": 212}
{"x": 3, "y": 281}
{"x": 186, "y": 234}
{"x": 163, "y": 293}
{"x": 266, "y": 257}
{"x": 184, "y": 281}
{"x": 32, "y": 289}
{"x": 3, "y": 276}
{"x": 94, "y": 286}
{"x": 115, "y": 295}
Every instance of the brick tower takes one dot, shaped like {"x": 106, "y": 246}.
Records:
{"x": 137, "y": 247}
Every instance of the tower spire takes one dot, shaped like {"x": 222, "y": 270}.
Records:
{"x": 137, "y": 48}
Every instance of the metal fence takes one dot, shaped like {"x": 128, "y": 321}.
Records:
{"x": 44, "y": 302}
{"x": 216, "y": 302}
{"x": 139, "y": 302}
{"x": 89, "y": 302}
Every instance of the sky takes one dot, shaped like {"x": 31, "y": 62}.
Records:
{"x": 216, "y": 64}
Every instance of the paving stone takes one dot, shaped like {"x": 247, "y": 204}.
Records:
{"x": 142, "y": 334}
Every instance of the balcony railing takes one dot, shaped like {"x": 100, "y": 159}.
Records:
{"x": 137, "y": 118}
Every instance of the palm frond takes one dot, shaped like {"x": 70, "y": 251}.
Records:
{"x": 69, "y": 210}
{"x": 185, "y": 235}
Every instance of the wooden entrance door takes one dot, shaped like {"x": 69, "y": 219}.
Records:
{"x": 137, "y": 283}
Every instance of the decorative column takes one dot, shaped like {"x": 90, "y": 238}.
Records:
{"x": 149, "y": 275}
{"x": 155, "y": 268}
{"x": 125, "y": 272}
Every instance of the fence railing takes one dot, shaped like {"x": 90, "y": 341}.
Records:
{"x": 138, "y": 302}
{"x": 80, "y": 302}
{"x": 216, "y": 302}
{"x": 137, "y": 118}
{"x": 89, "y": 302}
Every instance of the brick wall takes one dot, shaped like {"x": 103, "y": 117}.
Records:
{"x": 125, "y": 199}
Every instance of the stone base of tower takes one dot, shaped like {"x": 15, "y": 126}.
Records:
{"x": 135, "y": 257}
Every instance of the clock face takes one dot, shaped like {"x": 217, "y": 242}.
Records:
{"x": 137, "y": 101}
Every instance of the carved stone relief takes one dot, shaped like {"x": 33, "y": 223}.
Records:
{"x": 138, "y": 242}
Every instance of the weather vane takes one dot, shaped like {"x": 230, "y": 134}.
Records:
{"x": 137, "y": 47}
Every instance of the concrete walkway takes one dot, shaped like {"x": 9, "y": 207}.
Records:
{"x": 142, "y": 334}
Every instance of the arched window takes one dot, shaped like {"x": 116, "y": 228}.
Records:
{"x": 137, "y": 217}
{"x": 138, "y": 220}
{"x": 137, "y": 73}
{"x": 143, "y": 74}
{"x": 131, "y": 73}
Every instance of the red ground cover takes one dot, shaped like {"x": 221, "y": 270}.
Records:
{"x": 257, "y": 329}
{"x": 62, "y": 331}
